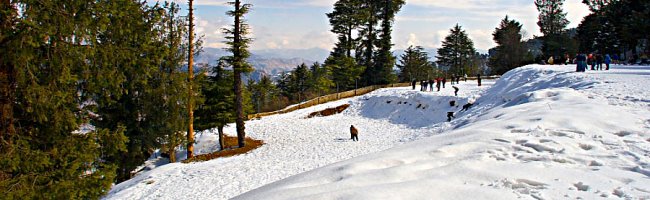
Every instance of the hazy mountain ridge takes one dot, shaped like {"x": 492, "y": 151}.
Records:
{"x": 267, "y": 62}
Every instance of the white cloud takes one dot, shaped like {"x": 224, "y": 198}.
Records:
{"x": 413, "y": 40}
{"x": 211, "y": 31}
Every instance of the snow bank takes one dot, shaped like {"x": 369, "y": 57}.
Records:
{"x": 541, "y": 132}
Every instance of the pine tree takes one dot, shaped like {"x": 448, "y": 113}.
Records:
{"x": 615, "y": 26}
{"x": 552, "y": 23}
{"x": 368, "y": 36}
{"x": 456, "y": 52}
{"x": 510, "y": 51}
{"x": 344, "y": 21}
{"x": 320, "y": 81}
{"x": 385, "y": 61}
{"x": 552, "y": 19}
{"x": 238, "y": 45}
{"x": 265, "y": 94}
{"x": 145, "y": 47}
{"x": 218, "y": 108}
{"x": 44, "y": 58}
{"x": 346, "y": 73}
{"x": 414, "y": 65}
{"x": 190, "y": 72}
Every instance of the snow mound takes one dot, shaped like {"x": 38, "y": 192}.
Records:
{"x": 540, "y": 132}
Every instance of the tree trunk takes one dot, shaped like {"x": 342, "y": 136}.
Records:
{"x": 222, "y": 144}
{"x": 239, "y": 107}
{"x": 190, "y": 131}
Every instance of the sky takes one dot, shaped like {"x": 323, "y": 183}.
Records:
{"x": 302, "y": 24}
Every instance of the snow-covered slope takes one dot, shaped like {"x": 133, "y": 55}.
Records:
{"x": 541, "y": 132}
{"x": 295, "y": 144}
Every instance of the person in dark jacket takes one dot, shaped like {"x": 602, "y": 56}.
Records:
{"x": 455, "y": 90}
{"x": 478, "y": 78}
{"x": 581, "y": 63}
{"x": 599, "y": 62}
{"x": 413, "y": 84}
{"x": 424, "y": 86}
{"x": 444, "y": 80}
{"x": 431, "y": 82}
{"x": 608, "y": 60}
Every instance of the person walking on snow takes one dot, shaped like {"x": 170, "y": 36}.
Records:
{"x": 478, "y": 77}
{"x": 581, "y": 63}
{"x": 444, "y": 80}
{"x": 413, "y": 84}
{"x": 455, "y": 90}
{"x": 599, "y": 62}
{"x": 431, "y": 82}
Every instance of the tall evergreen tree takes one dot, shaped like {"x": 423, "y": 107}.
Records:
{"x": 385, "y": 61}
{"x": 238, "y": 45}
{"x": 265, "y": 94}
{"x": 190, "y": 72}
{"x": 552, "y": 23}
{"x": 344, "y": 21}
{"x": 552, "y": 19}
{"x": 615, "y": 26}
{"x": 368, "y": 35}
{"x": 511, "y": 50}
{"x": 320, "y": 82}
{"x": 456, "y": 52}
{"x": 346, "y": 73}
{"x": 414, "y": 65}
{"x": 44, "y": 59}
{"x": 146, "y": 49}
{"x": 218, "y": 110}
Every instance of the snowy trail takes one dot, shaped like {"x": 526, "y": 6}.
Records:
{"x": 541, "y": 132}
{"x": 295, "y": 144}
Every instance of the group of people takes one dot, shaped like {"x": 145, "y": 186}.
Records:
{"x": 427, "y": 85}
{"x": 596, "y": 61}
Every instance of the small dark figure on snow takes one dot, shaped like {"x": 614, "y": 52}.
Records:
{"x": 438, "y": 80}
{"x": 467, "y": 106}
{"x": 413, "y": 84}
{"x": 450, "y": 115}
{"x": 444, "y": 80}
{"x": 478, "y": 77}
{"x": 354, "y": 133}
{"x": 458, "y": 79}
{"x": 455, "y": 90}
{"x": 423, "y": 87}
{"x": 431, "y": 82}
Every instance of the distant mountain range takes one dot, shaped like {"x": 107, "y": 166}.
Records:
{"x": 273, "y": 62}
{"x": 270, "y": 62}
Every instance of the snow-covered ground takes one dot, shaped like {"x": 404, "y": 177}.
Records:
{"x": 540, "y": 132}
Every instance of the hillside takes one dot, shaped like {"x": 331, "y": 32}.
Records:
{"x": 539, "y": 132}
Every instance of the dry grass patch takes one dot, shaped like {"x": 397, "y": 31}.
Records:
{"x": 230, "y": 150}
{"x": 329, "y": 111}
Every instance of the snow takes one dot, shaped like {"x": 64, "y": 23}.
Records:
{"x": 539, "y": 132}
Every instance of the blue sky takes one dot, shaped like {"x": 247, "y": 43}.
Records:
{"x": 302, "y": 24}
